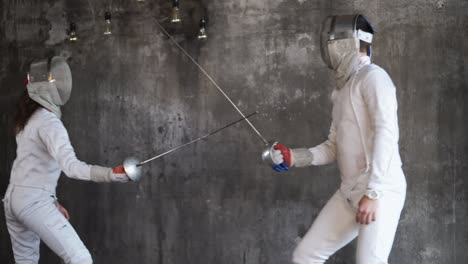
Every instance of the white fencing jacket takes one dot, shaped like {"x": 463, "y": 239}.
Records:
{"x": 363, "y": 136}
{"x": 43, "y": 151}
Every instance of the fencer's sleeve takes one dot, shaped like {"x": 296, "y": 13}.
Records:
{"x": 379, "y": 94}
{"x": 325, "y": 153}
{"x": 55, "y": 137}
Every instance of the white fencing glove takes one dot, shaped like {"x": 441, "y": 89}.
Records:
{"x": 281, "y": 156}
{"x": 285, "y": 158}
{"x": 103, "y": 174}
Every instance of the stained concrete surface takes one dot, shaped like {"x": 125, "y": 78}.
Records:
{"x": 214, "y": 202}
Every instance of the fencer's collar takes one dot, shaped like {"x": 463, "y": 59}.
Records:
{"x": 363, "y": 61}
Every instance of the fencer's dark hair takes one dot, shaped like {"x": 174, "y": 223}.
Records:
{"x": 25, "y": 108}
{"x": 363, "y": 24}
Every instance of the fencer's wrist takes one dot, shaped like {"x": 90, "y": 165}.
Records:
{"x": 373, "y": 194}
{"x": 119, "y": 177}
{"x": 301, "y": 157}
{"x": 103, "y": 174}
{"x": 293, "y": 157}
{"x": 100, "y": 174}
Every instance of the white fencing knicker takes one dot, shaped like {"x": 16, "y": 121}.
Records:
{"x": 32, "y": 216}
{"x": 336, "y": 226}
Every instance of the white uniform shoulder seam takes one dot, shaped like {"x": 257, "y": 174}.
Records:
{"x": 366, "y": 70}
{"x": 373, "y": 70}
{"x": 48, "y": 118}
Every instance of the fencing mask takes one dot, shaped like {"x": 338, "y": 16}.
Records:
{"x": 340, "y": 41}
{"x": 50, "y": 83}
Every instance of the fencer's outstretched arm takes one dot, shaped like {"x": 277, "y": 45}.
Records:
{"x": 322, "y": 154}
{"x": 325, "y": 153}
{"x": 55, "y": 137}
{"x": 379, "y": 93}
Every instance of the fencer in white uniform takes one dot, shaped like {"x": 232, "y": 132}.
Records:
{"x": 363, "y": 139}
{"x": 43, "y": 152}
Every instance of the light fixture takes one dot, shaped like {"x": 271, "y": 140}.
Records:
{"x": 108, "y": 18}
{"x": 72, "y": 32}
{"x": 175, "y": 12}
{"x": 202, "y": 31}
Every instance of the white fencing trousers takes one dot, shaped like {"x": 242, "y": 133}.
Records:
{"x": 31, "y": 216}
{"x": 336, "y": 226}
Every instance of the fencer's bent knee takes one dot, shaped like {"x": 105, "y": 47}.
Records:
{"x": 84, "y": 258}
{"x": 301, "y": 256}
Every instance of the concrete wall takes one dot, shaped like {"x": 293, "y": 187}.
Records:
{"x": 214, "y": 202}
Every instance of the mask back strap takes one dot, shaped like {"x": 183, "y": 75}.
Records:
{"x": 50, "y": 78}
{"x": 365, "y": 36}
